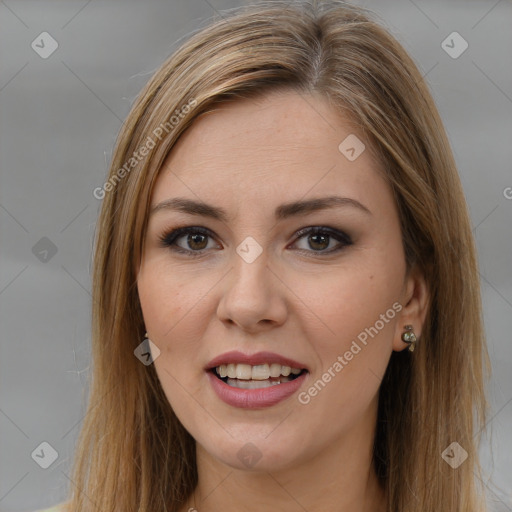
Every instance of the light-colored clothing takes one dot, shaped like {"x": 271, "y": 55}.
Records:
{"x": 60, "y": 507}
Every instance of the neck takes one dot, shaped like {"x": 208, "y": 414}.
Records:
{"x": 339, "y": 478}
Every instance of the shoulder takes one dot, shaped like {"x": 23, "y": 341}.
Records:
{"x": 60, "y": 507}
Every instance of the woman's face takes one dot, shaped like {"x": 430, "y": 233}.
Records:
{"x": 240, "y": 278}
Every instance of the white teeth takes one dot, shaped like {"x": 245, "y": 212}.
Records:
{"x": 243, "y": 371}
{"x": 231, "y": 371}
{"x": 259, "y": 372}
{"x": 275, "y": 370}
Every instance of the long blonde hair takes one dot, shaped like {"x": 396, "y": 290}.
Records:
{"x": 133, "y": 453}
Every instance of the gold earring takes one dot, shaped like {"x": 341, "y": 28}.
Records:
{"x": 409, "y": 337}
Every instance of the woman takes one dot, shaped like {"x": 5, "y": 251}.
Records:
{"x": 286, "y": 299}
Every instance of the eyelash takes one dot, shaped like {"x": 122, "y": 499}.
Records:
{"x": 168, "y": 239}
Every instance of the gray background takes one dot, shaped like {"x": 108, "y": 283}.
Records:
{"x": 59, "y": 120}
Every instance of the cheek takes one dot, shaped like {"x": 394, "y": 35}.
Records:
{"x": 173, "y": 304}
{"x": 341, "y": 305}
{"x": 171, "y": 300}
{"x": 168, "y": 310}
{"x": 358, "y": 308}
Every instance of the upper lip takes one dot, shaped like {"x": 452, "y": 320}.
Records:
{"x": 236, "y": 357}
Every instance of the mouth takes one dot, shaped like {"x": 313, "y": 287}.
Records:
{"x": 255, "y": 381}
{"x": 246, "y": 376}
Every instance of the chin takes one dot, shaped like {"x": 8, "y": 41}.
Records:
{"x": 254, "y": 452}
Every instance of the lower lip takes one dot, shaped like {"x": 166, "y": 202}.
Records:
{"x": 255, "y": 398}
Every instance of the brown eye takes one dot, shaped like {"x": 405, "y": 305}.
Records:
{"x": 319, "y": 241}
{"x": 195, "y": 240}
{"x": 320, "y": 238}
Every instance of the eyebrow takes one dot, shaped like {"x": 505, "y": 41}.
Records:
{"x": 282, "y": 212}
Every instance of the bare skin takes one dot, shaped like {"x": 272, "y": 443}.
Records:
{"x": 299, "y": 298}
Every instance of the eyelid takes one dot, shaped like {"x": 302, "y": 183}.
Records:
{"x": 168, "y": 238}
{"x": 334, "y": 232}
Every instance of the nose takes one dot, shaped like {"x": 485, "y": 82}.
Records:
{"x": 253, "y": 296}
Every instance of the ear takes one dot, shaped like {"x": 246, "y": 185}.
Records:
{"x": 414, "y": 300}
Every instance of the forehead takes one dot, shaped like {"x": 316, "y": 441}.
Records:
{"x": 278, "y": 145}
